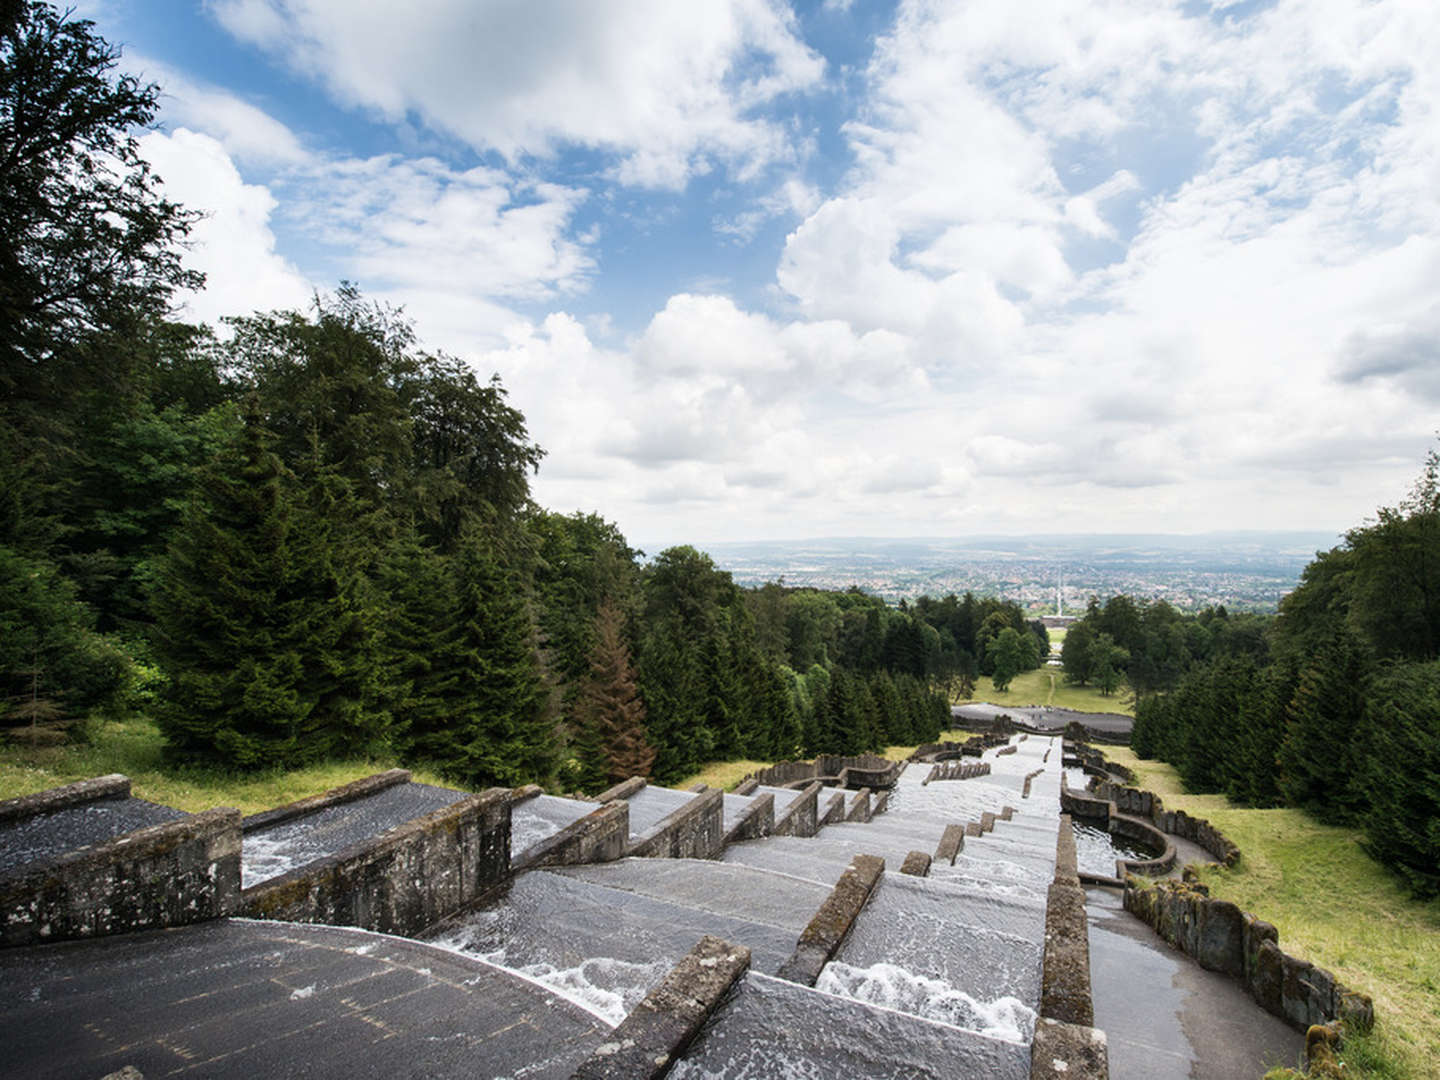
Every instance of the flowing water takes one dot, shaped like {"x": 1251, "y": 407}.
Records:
{"x": 1096, "y": 850}
{"x": 940, "y": 976}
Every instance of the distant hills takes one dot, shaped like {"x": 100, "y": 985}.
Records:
{"x": 1247, "y": 570}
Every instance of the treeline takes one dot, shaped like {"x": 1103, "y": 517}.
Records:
{"x": 1333, "y": 705}
{"x": 307, "y": 537}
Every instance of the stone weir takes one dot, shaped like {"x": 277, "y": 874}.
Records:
{"x": 692, "y": 933}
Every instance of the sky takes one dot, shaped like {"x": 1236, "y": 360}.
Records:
{"x": 757, "y": 270}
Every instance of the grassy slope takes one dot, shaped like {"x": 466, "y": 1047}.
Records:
{"x": 1047, "y": 686}
{"x": 1334, "y": 906}
{"x": 133, "y": 747}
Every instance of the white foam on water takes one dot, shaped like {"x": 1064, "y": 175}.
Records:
{"x": 892, "y": 987}
{"x": 601, "y": 985}
{"x": 264, "y": 857}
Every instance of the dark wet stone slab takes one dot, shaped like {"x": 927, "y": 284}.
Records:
{"x": 46, "y": 836}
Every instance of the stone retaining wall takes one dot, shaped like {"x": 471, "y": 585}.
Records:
{"x": 1084, "y": 805}
{"x": 1145, "y": 804}
{"x": 801, "y": 817}
{"x": 404, "y": 880}
{"x": 165, "y": 875}
{"x": 600, "y": 836}
{"x": 1223, "y": 938}
{"x": 694, "y": 831}
{"x": 866, "y": 770}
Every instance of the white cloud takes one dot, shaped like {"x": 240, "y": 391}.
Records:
{"x": 670, "y": 88}
{"x": 233, "y": 245}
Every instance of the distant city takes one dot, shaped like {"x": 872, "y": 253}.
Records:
{"x": 1247, "y": 571}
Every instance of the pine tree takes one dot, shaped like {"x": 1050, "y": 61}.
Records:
{"x": 1319, "y": 756}
{"x": 609, "y": 713}
{"x": 265, "y": 630}
{"x": 487, "y": 715}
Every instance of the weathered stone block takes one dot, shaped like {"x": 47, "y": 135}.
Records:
{"x": 834, "y": 810}
{"x": 952, "y": 842}
{"x": 859, "y": 810}
{"x": 165, "y": 875}
{"x": 1267, "y": 985}
{"x": 800, "y": 818}
{"x": 657, "y": 1031}
{"x": 1221, "y": 938}
{"x": 1065, "y": 980}
{"x": 828, "y": 929}
{"x": 1064, "y": 1051}
{"x": 756, "y": 822}
{"x": 916, "y": 864}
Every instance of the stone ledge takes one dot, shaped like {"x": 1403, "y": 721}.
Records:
{"x": 1065, "y": 975}
{"x": 623, "y": 790}
{"x": 827, "y": 931}
{"x": 600, "y": 836}
{"x": 693, "y": 831}
{"x": 834, "y": 810}
{"x": 859, "y": 807}
{"x": 110, "y": 786}
{"x": 800, "y": 817}
{"x": 757, "y": 822}
{"x": 657, "y": 1031}
{"x": 164, "y": 875}
{"x": 404, "y": 880}
{"x": 1062, "y": 1051}
{"x": 356, "y": 789}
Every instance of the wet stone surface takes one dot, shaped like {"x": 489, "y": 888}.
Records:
{"x": 252, "y": 999}
{"x": 49, "y": 835}
{"x": 271, "y": 852}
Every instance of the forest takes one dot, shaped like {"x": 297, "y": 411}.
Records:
{"x": 303, "y": 536}
{"x": 1332, "y": 705}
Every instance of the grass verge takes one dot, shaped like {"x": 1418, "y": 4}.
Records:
{"x": 135, "y": 748}
{"x": 1047, "y": 686}
{"x": 1335, "y": 906}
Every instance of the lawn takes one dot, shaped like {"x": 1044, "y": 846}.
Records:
{"x": 1334, "y": 906}
{"x": 1047, "y": 686}
{"x": 134, "y": 747}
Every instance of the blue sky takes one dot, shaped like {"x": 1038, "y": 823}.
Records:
{"x": 762, "y": 271}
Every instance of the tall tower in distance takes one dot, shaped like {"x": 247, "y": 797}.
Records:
{"x": 1060, "y": 592}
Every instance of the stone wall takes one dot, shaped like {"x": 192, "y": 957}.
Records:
{"x": 165, "y": 875}
{"x": 1223, "y": 938}
{"x": 1145, "y": 804}
{"x": 826, "y": 932}
{"x": 600, "y": 836}
{"x": 866, "y": 770}
{"x": 404, "y": 880}
{"x": 801, "y": 817}
{"x": 757, "y": 820}
{"x": 694, "y": 831}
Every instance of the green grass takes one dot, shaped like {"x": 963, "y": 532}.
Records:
{"x": 1047, "y": 686}
{"x": 1335, "y": 906}
{"x": 134, "y": 747}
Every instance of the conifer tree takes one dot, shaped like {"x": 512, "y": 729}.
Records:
{"x": 486, "y": 717}
{"x": 265, "y": 631}
{"x": 1318, "y": 759}
{"x": 610, "y": 714}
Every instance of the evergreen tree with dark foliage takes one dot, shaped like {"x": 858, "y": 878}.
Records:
{"x": 488, "y": 719}
{"x": 266, "y": 633}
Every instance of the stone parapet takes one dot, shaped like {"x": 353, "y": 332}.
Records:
{"x": 651, "y": 1039}
{"x": 801, "y": 817}
{"x": 356, "y": 789}
{"x": 826, "y": 932}
{"x": 600, "y": 836}
{"x": 757, "y": 821}
{"x": 1223, "y": 938}
{"x": 165, "y": 875}
{"x": 694, "y": 831}
{"x": 404, "y": 880}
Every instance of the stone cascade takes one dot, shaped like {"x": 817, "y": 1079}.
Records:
{"x": 829, "y": 963}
